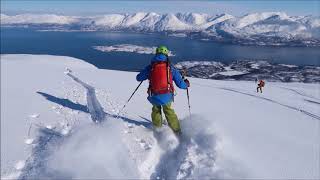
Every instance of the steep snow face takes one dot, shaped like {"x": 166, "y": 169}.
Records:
{"x": 312, "y": 23}
{"x": 267, "y": 28}
{"x": 233, "y": 132}
{"x": 282, "y": 26}
{"x": 170, "y": 22}
{"x": 216, "y": 20}
{"x": 193, "y": 18}
{"x": 110, "y": 20}
{"x": 255, "y": 17}
{"x": 133, "y": 20}
{"x": 148, "y": 23}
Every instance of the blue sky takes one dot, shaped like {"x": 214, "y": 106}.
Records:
{"x": 86, "y": 7}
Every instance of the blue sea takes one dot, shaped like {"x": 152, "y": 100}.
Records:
{"x": 79, "y": 45}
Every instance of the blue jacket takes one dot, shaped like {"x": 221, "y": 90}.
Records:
{"x": 162, "y": 99}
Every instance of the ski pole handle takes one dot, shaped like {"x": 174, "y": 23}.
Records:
{"x": 184, "y": 73}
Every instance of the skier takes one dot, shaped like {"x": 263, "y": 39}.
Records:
{"x": 161, "y": 75}
{"x": 260, "y": 85}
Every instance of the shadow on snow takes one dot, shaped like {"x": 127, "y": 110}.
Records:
{"x": 49, "y": 140}
{"x": 64, "y": 102}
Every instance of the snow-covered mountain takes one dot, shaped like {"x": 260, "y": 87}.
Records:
{"x": 49, "y": 130}
{"x": 267, "y": 28}
{"x": 271, "y": 25}
{"x": 37, "y": 19}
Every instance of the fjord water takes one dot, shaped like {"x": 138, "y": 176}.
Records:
{"x": 79, "y": 45}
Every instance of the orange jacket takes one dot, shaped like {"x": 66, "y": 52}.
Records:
{"x": 261, "y": 83}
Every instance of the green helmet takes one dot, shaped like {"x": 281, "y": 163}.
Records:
{"x": 162, "y": 50}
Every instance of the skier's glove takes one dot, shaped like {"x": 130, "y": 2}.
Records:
{"x": 187, "y": 82}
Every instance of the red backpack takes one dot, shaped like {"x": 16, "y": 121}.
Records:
{"x": 160, "y": 79}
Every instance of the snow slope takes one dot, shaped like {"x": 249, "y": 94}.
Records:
{"x": 266, "y": 28}
{"x": 233, "y": 132}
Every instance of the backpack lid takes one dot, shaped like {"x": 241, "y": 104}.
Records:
{"x": 159, "y": 58}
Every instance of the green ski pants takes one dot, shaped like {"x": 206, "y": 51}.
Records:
{"x": 171, "y": 117}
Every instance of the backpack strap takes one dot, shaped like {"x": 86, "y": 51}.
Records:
{"x": 170, "y": 88}
{"x": 168, "y": 73}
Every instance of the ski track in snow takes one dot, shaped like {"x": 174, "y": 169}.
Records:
{"x": 36, "y": 165}
{"x": 266, "y": 99}
{"x": 171, "y": 160}
{"x": 301, "y": 94}
{"x": 95, "y": 108}
{"x": 276, "y": 102}
{"x": 192, "y": 157}
{"x": 310, "y": 101}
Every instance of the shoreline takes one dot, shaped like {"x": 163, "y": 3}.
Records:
{"x": 241, "y": 70}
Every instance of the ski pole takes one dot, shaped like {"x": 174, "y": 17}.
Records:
{"x": 129, "y": 99}
{"x": 189, "y": 102}
{"x": 184, "y": 73}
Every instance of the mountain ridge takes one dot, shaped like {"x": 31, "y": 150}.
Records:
{"x": 266, "y": 28}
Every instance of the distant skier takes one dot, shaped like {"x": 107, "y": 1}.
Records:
{"x": 161, "y": 75}
{"x": 260, "y": 85}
